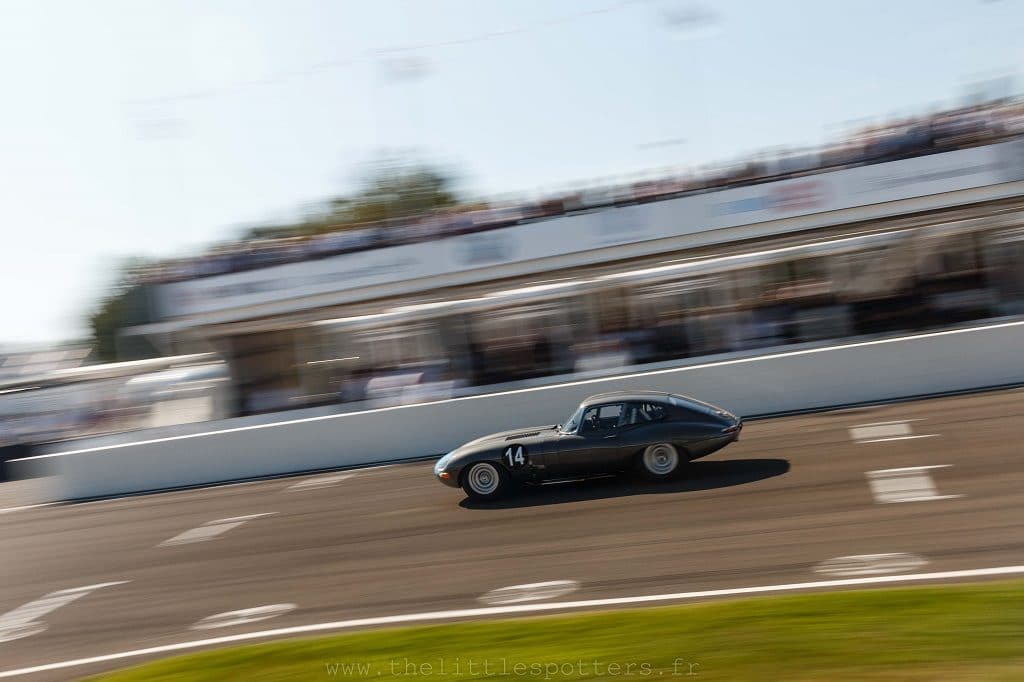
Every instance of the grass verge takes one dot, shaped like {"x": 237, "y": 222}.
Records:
{"x": 957, "y": 632}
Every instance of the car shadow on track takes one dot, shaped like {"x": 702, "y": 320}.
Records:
{"x": 698, "y": 475}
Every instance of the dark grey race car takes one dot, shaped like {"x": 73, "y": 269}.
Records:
{"x": 648, "y": 431}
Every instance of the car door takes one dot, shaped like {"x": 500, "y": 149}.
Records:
{"x": 594, "y": 446}
{"x": 640, "y": 426}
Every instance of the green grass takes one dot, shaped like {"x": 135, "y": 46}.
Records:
{"x": 960, "y": 632}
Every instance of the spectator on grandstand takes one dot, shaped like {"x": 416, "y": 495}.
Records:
{"x": 939, "y": 131}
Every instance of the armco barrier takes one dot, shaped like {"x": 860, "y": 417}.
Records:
{"x": 854, "y": 372}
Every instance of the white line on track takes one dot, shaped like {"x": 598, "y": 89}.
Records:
{"x": 457, "y": 614}
{"x": 8, "y": 510}
{"x": 881, "y": 432}
{"x": 242, "y": 616}
{"x": 871, "y": 564}
{"x": 897, "y": 421}
{"x": 513, "y": 594}
{"x": 210, "y": 530}
{"x": 908, "y": 470}
{"x": 368, "y": 468}
{"x": 906, "y": 484}
{"x": 883, "y": 440}
{"x": 318, "y": 482}
{"x": 27, "y": 620}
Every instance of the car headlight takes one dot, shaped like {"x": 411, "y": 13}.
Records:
{"x": 442, "y": 463}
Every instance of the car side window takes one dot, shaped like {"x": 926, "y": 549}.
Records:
{"x": 652, "y": 412}
{"x": 643, "y": 413}
{"x": 602, "y": 419}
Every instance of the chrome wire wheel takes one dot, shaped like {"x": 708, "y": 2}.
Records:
{"x": 661, "y": 459}
{"x": 483, "y": 479}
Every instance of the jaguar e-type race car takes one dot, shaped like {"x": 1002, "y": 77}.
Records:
{"x": 648, "y": 431}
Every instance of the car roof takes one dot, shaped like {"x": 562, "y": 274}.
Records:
{"x": 616, "y": 396}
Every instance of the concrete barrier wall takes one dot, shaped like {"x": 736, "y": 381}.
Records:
{"x": 775, "y": 382}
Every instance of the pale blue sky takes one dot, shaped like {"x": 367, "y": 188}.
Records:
{"x": 153, "y": 128}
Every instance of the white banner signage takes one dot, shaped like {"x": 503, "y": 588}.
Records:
{"x": 867, "y": 185}
{"x": 533, "y": 241}
{"x": 823, "y": 192}
{"x": 279, "y": 282}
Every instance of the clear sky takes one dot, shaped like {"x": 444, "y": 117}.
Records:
{"x": 152, "y": 128}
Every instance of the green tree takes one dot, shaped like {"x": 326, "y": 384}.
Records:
{"x": 392, "y": 189}
{"x": 387, "y": 188}
{"x": 126, "y": 304}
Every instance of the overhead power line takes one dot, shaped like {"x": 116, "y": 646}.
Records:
{"x": 377, "y": 54}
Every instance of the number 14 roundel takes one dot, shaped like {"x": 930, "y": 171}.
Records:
{"x": 515, "y": 456}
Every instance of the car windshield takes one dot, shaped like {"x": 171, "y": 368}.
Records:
{"x": 574, "y": 420}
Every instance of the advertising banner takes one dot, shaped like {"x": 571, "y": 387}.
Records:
{"x": 602, "y": 228}
{"x": 868, "y": 185}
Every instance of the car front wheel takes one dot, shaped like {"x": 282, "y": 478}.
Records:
{"x": 485, "y": 481}
{"x": 659, "y": 461}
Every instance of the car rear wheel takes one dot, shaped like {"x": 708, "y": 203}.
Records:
{"x": 659, "y": 461}
{"x": 485, "y": 481}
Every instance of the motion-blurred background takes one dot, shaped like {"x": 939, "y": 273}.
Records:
{"x": 217, "y": 210}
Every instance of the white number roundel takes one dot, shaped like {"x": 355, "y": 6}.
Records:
{"x": 515, "y": 455}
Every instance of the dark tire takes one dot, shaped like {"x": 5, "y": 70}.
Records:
{"x": 659, "y": 462}
{"x": 485, "y": 481}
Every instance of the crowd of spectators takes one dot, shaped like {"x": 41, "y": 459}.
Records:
{"x": 938, "y": 132}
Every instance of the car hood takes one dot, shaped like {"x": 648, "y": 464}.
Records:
{"x": 524, "y": 436}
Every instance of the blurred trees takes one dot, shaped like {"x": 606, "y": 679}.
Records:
{"x": 125, "y": 305}
{"x": 388, "y": 188}
{"x": 392, "y": 190}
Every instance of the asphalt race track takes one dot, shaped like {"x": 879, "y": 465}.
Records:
{"x": 793, "y": 493}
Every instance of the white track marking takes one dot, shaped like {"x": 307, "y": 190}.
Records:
{"x": 514, "y": 594}
{"x": 210, "y": 530}
{"x": 889, "y": 430}
{"x": 907, "y": 470}
{"x": 25, "y": 620}
{"x": 9, "y": 510}
{"x": 907, "y": 484}
{"x": 883, "y": 440}
{"x": 513, "y": 609}
{"x": 518, "y": 391}
{"x": 870, "y": 564}
{"x": 400, "y": 512}
{"x": 897, "y": 421}
{"x": 880, "y": 432}
{"x": 243, "y": 616}
{"x": 318, "y": 482}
